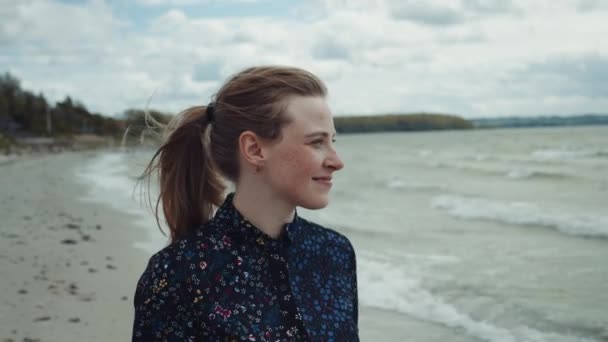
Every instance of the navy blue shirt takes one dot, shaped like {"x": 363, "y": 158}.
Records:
{"x": 229, "y": 281}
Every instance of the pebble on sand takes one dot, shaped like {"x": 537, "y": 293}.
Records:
{"x": 72, "y": 289}
{"x": 42, "y": 319}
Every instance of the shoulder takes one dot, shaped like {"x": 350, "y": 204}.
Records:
{"x": 181, "y": 261}
{"x": 169, "y": 265}
{"x": 165, "y": 293}
{"x": 327, "y": 236}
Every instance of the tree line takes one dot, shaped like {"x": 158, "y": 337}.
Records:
{"x": 24, "y": 113}
{"x": 399, "y": 122}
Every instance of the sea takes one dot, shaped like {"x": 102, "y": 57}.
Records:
{"x": 469, "y": 235}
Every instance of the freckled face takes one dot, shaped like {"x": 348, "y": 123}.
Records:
{"x": 299, "y": 157}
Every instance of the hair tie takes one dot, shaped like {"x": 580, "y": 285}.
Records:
{"x": 210, "y": 112}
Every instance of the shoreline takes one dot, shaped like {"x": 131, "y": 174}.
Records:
{"x": 70, "y": 265}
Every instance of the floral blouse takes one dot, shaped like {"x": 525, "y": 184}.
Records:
{"x": 229, "y": 281}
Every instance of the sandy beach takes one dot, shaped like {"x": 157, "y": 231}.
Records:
{"x": 68, "y": 269}
{"x": 68, "y": 266}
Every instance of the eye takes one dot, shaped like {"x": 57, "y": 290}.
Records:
{"x": 320, "y": 142}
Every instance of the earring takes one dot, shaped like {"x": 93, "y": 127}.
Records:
{"x": 258, "y": 168}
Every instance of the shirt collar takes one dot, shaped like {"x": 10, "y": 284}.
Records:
{"x": 239, "y": 227}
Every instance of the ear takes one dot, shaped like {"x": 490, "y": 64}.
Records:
{"x": 252, "y": 148}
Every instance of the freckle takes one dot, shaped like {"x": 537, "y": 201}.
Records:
{"x": 291, "y": 158}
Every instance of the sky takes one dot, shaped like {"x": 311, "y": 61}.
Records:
{"x": 473, "y": 58}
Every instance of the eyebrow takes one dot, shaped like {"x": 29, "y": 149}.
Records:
{"x": 324, "y": 134}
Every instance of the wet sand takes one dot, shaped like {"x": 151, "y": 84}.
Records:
{"x": 68, "y": 269}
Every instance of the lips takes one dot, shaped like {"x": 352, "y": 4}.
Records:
{"x": 327, "y": 179}
{"x": 323, "y": 181}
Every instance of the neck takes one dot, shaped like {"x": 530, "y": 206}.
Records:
{"x": 264, "y": 210}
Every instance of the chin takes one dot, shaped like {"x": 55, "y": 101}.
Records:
{"x": 317, "y": 201}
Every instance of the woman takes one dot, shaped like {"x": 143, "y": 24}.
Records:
{"x": 254, "y": 271}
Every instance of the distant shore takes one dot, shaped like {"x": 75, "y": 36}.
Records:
{"x": 69, "y": 266}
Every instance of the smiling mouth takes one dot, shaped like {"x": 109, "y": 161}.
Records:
{"x": 324, "y": 181}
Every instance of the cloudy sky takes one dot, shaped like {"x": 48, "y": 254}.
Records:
{"x": 475, "y": 58}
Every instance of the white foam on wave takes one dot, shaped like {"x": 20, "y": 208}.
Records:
{"x": 520, "y": 174}
{"x": 387, "y": 284}
{"x": 567, "y": 153}
{"x": 521, "y": 213}
{"x": 424, "y": 153}
{"x": 502, "y": 171}
{"x": 479, "y": 157}
{"x": 526, "y": 173}
{"x": 399, "y": 183}
{"x": 107, "y": 178}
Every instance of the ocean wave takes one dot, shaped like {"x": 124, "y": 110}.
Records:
{"x": 479, "y": 157}
{"x": 424, "y": 153}
{"x": 398, "y": 183}
{"x": 396, "y": 286}
{"x": 527, "y": 174}
{"x": 565, "y": 154}
{"x": 521, "y": 173}
{"x": 109, "y": 180}
{"x": 522, "y": 213}
{"x": 106, "y": 176}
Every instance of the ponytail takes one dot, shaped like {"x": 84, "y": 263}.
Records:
{"x": 189, "y": 182}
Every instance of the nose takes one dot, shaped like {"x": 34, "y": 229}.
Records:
{"x": 334, "y": 161}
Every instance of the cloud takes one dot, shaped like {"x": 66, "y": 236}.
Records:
{"x": 448, "y": 13}
{"x": 328, "y": 47}
{"x": 426, "y": 13}
{"x": 167, "y": 2}
{"x": 490, "y": 6}
{"x": 210, "y": 71}
{"x": 585, "y": 76}
{"x": 188, "y": 2}
{"x": 37, "y": 23}
{"x": 591, "y": 5}
{"x": 472, "y": 57}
